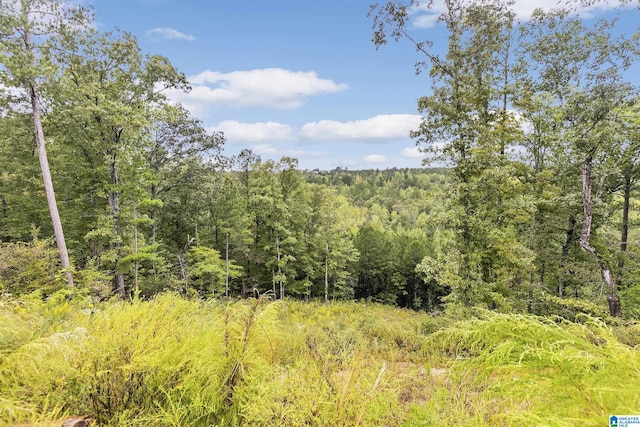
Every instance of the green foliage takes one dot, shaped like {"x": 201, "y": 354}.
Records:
{"x": 173, "y": 361}
{"x": 569, "y": 308}
{"x": 208, "y": 270}
{"x": 548, "y": 371}
{"x": 517, "y": 110}
{"x": 29, "y": 267}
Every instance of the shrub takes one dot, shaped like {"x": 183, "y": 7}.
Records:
{"x": 27, "y": 267}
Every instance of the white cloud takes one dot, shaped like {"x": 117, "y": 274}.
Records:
{"x": 388, "y": 127}
{"x": 167, "y": 33}
{"x": 382, "y": 127}
{"x": 427, "y": 17}
{"x": 254, "y": 132}
{"x": 269, "y": 87}
{"x": 306, "y": 154}
{"x": 264, "y": 149}
{"x": 525, "y": 8}
{"x": 272, "y": 151}
{"x": 13, "y": 99}
{"x": 374, "y": 159}
{"x": 412, "y": 153}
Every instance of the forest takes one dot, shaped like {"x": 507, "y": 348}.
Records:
{"x": 117, "y": 204}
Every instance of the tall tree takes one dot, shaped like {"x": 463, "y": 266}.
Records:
{"x": 178, "y": 140}
{"x": 29, "y": 31}
{"x": 582, "y": 70}
{"x": 629, "y": 162}
{"x": 333, "y": 227}
{"x": 467, "y": 124}
{"x": 111, "y": 90}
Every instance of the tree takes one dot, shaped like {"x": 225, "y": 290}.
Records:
{"x": 467, "y": 124}
{"x": 629, "y": 163}
{"x": 208, "y": 270}
{"x": 581, "y": 70}
{"x": 30, "y": 30}
{"x": 110, "y": 90}
{"x": 332, "y": 229}
{"x": 179, "y": 144}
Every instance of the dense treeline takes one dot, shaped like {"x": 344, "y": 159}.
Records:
{"x": 539, "y": 124}
{"x": 534, "y": 123}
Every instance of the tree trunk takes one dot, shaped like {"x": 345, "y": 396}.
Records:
{"x": 48, "y": 187}
{"x": 154, "y": 214}
{"x": 5, "y": 231}
{"x": 585, "y": 240}
{"x": 114, "y": 206}
{"x": 273, "y": 283}
{"x": 326, "y": 272}
{"x": 44, "y": 166}
{"x": 226, "y": 264}
{"x": 182, "y": 260}
{"x": 624, "y": 234}
{"x": 570, "y": 233}
{"x": 136, "y": 265}
{"x": 279, "y": 268}
{"x": 183, "y": 272}
{"x": 532, "y": 246}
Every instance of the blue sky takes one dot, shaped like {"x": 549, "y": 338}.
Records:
{"x": 293, "y": 78}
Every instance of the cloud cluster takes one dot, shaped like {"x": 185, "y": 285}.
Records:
{"x": 273, "y": 139}
{"x": 426, "y": 16}
{"x": 278, "y": 88}
{"x": 382, "y": 127}
{"x": 412, "y": 153}
{"x": 264, "y": 149}
{"x": 168, "y": 33}
{"x": 273, "y": 150}
{"x": 254, "y": 132}
{"x": 375, "y": 159}
{"x": 267, "y": 88}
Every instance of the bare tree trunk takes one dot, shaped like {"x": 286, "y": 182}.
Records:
{"x": 532, "y": 246}
{"x": 48, "y": 187}
{"x": 226, "y": 262}
{"x": 136, "y": 265}
{"x": 154, "y": 214}
{"x": 182, "y": 260}
{"x": 585, "y": 240}
{"x": 5, "y": 231}
{"x": 279, "y": 268}
{"x": 44, "y": 166}
{"x": 326, "y": 272}
{"x": 273, "y": 283}
{"x": 114, "y": 206}
{"x": 183, "y": 271}
{"x": 624, "y": 233}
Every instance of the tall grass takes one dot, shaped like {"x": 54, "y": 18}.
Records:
{"x": 543, "y": 371}
{"x": 177, "y": 362}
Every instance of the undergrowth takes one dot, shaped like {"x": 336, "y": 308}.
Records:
{"x": 172, "y": 361}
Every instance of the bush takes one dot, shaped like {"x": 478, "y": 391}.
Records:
{"x": 27, "y": 267}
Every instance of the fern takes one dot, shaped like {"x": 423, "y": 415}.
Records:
{"x": 172, "y": 361}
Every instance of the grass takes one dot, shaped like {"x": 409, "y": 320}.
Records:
{"x": 177, "y": 362}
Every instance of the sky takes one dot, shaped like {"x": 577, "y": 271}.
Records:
{"x": 298, "y": 78}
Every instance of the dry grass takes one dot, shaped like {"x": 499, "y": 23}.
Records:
{"x": 177, "y": 362}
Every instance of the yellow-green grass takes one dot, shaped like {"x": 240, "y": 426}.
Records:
{"x": 172, "y": 361}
